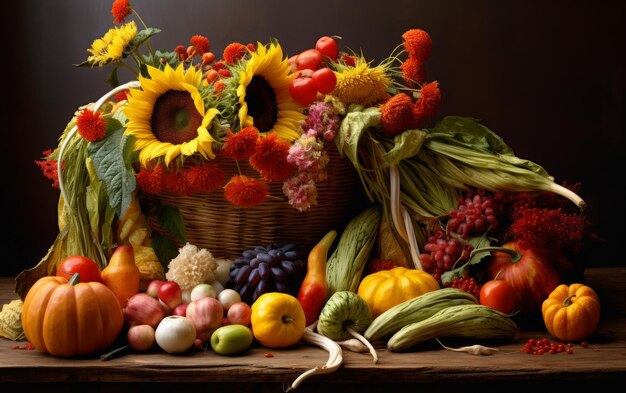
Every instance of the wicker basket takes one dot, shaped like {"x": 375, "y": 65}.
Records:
{"x": 213, "y": 223}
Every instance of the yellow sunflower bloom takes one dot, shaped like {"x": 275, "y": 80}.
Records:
{"x": 263, "y": 93}
{"x": 110, "y": 48}
{"x": 362, "y": 84}
{"x": 167, "y": 116}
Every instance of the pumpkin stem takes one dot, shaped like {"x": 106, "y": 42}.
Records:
{"x": 75, "y": 279}
{"x": 568, "y": 300}
{"x": 515, "y": 256}
{"x": 287, "y": 319}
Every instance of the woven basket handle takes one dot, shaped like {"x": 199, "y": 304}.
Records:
{"x": 96, "y": 106}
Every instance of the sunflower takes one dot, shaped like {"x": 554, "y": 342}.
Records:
{"x": 362, "y": 84}
{"x": 110, "y": 48}
{"x": 263, "y": 94}
{"x": 167, "y": 115}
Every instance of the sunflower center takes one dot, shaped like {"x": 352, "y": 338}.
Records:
{"x": 261, "y": 103}
{"x": 175, "y": 118}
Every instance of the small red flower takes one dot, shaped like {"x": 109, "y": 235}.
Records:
{"x": 413, "y": 72}
{"x": 243, "y": 191}
{"x": 91, "y": 125}
{"x": 120, "y": 10}
{"x": 219, "y": 86}
{"x": 234, "y": 52}
{"x": 49, "y": 168}
{"x": 240, "y": 146}
{"x": 204, "y": 178}
{"x": 251, "y": 47}
{"x": 181, "y": 51}
{"x": 218, "y": 65}
{"x": 152, "y": 180}
{"x": 270, "y": 158}
{"x": 396, "y": 114}
{"x": 377, "y": 265}
{"x": 418, "y": 43}
{"x": 430, "y": 98}
{"x": 121, "y": 96}
{"x": 201, "y": 43}
{"x": 176, "y": 182}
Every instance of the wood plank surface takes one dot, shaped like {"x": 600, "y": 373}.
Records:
{"x": 428, "y": 366}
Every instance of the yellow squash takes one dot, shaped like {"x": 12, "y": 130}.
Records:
{"x": 277, "y": 320}
{"x": 572, "y": 312}
{"x": 386, "y": 288}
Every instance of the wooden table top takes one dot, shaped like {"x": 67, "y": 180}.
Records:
{"x": 431, "y": 367}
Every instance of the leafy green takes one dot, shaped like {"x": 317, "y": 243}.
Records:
{"x": 352, "y": 129}
{"x": 169, "y": 217}
{"x": 154, "y": 60}
{"x": 468, "y": 132}
{"x": 112, "y": 162}
{"x": 406, "y": 145}
{"x": 141, "y": 37}
{"x": 476, "y": 242}
{"x": 164, "y": 248}
{"x": 112, "y": 79}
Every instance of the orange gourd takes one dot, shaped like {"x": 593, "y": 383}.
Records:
{"x": 571, "y": 313}
{"x": 122, "y": 275}
{"x": 70, "y": 318}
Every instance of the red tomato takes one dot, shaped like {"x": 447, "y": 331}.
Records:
{"x": 498, "y": 295}
{"x": 309, "y": 59}
{"x": 86, "y": 267}
{"x": 327, "y": 46}
{"x": 303, "y": 90}
{"x": 325, "y": 80}
{"x": 532, "y": 277}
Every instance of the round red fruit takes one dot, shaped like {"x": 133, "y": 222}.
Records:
{"x": 310, "y": 59}
{"x": 86, "y": 267}
{"x": 325, "y": 80}
{"x": 499, "y": 295}
{"x": 170, "y": 294}
{"x": 303, "y": 90}
{"x": 327, "y": 46}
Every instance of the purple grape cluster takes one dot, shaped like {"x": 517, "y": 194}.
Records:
{"x": 275, "y": 268}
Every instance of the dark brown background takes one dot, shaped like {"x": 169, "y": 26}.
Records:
{"x": 548, "y": 76}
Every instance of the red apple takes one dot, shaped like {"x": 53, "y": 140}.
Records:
{"x": 181, "y": 309}
{"x": 239, "y": 314}
{"x": 141, "y": 337}
{"x": 170, "y": 294}
{"x": 153, "y": 288}
{"x": 206, "y": 314}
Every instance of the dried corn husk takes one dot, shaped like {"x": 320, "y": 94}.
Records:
{"x": 133, "y": 230}
{"x": 11, "y": 320}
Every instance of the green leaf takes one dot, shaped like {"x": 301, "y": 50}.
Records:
{"x": 86, "y": 63}
{"x": 111, "y": 159}
{"x": 169, "y": 217}
{"x": 164, "y": 248}
{"x": 170, "y": 57}
{"x": 476, "y": 242}
{"x": 112, "y": 79}
{"x": 143, "y": 70}
{"x": 142, "y": 36}
{"x": 468, "y": 132}
{"x": 406, "y": 145}
{"x": 352, "y": 129}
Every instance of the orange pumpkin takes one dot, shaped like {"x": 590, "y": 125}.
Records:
{"x": 70, "y": 318}
{"x": 572, "y": 312}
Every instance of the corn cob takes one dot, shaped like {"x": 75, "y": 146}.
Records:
{"x": 346, "y": 264}
{"x": 415, "y": 310}
{"x": 474, "y": 320}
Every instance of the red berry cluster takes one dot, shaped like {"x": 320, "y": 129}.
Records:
{"x": 443, "y": 253}
{"x": 541, "y": 346}
{"x": 467, "y": 284}
{"x": 27, "y": 346}
{"x": 475, "y": 214}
